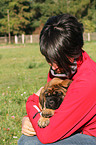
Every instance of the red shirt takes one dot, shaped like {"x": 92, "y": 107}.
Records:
{"x": 77, "y": 112}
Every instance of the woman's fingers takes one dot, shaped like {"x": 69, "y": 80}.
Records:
{"x": 27, "y": 128}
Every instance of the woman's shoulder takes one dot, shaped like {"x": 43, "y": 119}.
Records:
{"x": 87, "y": 65}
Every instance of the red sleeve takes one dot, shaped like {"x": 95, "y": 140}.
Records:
{"x": 32, "y": 101}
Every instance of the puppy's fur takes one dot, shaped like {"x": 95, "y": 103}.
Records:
{"x": 51, "y": 97}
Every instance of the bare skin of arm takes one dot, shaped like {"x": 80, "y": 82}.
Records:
{"x": 27, "y": 128}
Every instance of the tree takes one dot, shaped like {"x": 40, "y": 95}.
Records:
{"x": 24, "y": 16}
{"x": 3, "y": 17}
{"x": 85, "y": 11}
{"x": 20, "y": 14}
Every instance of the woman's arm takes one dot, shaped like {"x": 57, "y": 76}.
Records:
{"x": 73, "y": 113}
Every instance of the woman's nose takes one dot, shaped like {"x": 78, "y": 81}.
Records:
{"x": 54, "y": 67}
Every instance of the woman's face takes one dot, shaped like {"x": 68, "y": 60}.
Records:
{"x": 56, "y": 68}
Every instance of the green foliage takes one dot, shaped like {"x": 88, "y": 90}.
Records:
{"x": 26, "y": 15}
{"x": 89, "y": 26}
{"x": 89, "y": 18}
{"x": 19, "y": 17}
{"x": 83, "y": 10}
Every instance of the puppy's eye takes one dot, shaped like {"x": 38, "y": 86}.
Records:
{"x": 55, "y": 93}
{"x": 46, "y": 94}
{"x": 60, "y": 93}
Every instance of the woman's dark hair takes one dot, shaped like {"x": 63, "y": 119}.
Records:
{"x": 61, "y": 38}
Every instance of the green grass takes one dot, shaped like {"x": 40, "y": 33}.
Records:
{"x": 23, "y": 70}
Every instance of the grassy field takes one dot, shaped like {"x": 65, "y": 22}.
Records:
{"x": 23, "y": 71}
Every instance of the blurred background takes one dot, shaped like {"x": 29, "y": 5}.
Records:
{"x": 19, "y": 18}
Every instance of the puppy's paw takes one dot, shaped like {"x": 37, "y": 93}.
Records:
{"x": 47, "y": 113}
{"x": 43, "y": 122}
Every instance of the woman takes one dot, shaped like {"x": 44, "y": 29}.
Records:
{"x": 61, "y": 43}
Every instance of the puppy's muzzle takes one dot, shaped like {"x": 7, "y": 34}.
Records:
{"x": 53, "y": 99}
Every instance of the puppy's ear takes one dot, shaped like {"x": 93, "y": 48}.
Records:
{"x": 42, "y": 95}
{"x": 42, "y": 98}
{"x": 69, "y": 82}
{"x": 66, "y": 83}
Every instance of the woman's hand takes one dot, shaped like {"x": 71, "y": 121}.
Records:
{"x": 27, "y": 128}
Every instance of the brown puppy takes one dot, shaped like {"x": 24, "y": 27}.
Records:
{"x": 51, "y": 97}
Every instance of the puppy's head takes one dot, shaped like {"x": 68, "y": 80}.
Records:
{"x": 53, "y": 93}
{"x": 54, "y": 96}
